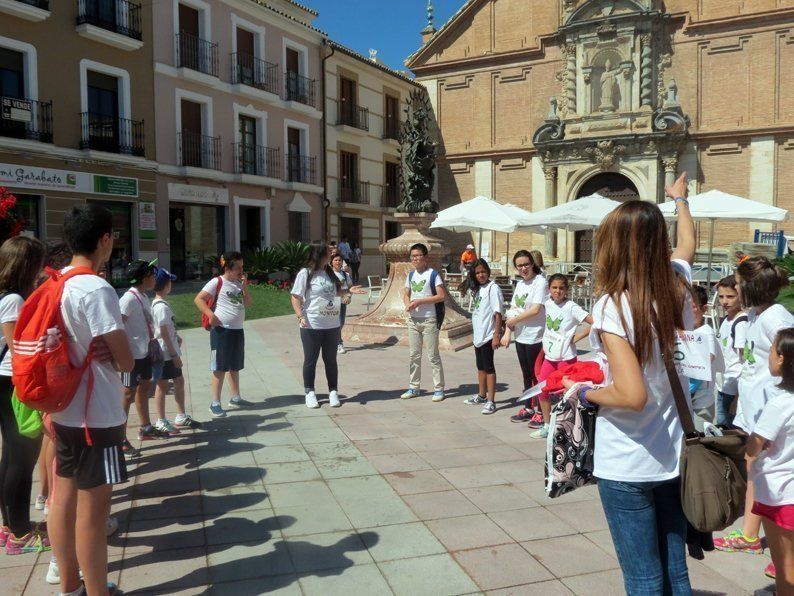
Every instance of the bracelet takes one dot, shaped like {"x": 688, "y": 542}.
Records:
{"x": 583, "y": 398}
{"x": 299, "y": 317}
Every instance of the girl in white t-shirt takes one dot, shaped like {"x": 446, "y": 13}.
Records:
{"x": 770, "y": 458}
{"x": 316, "y": 299}
{"x": 337, "y": 264}
{"x": 230, "y": 297}
{"x": 638, "y": 432}
{"x": 563, "y": 317}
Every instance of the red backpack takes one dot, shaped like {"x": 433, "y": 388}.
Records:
{"x": 212, "y": 303}
{"x": 43, "y": 376}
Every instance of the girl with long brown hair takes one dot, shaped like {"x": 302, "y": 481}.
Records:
{"x": 638, "y": 433}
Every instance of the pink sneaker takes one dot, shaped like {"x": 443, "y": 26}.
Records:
{"x": 737, "y": 542}
{"x": 769, "y": 570}
{"x": 4, "y": 533}
{"x": 536, "y": 421}
{"x": 34, "y": 541}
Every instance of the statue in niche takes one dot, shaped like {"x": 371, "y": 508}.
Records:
{"x": 608, "y": 83}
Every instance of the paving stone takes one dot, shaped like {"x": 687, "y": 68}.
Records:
{"x": 437, "y": 505}
{"x": 280, "y": 585}
{"x": 186, "y": 568}
{"x": 585, "y": 516}
{"x": 167, "y": 507}
{"x": 502, "y": 497}
{"x": 229, "y": 500}
{"x": 471, "y": 531}
{"x": 345, "y": 467}
{"x": 293, "y": 494}
{"x": 248, "y": 560}
{"x": 531, "y": 524}
{"x": 603, "y": 582}
{"x": 343, "y": 448}
{"x": 570, "y": 555}
{"x": 398, "y": 462}
{"x": 355, "y": 579}
{"x": 550, "y": 588}
{"x": 382, "y": 446}
{"x": 501, "y": 566}
{"x": 281, "y": 454}
{"x": 433, "y": 574}
{"x": 401, "y": 541}
{"x": 312, "y": 518}
{"x": 332, "y": 550}
{"x": 289, "y": 472}
{"x": 148, "y": 535}
{"x": 417, "y": 481}
{"x": 249, "y": 526}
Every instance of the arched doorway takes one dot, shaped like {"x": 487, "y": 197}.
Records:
{"x": 609, "y": 185}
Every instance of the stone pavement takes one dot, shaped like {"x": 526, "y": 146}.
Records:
{"x": 379, "y": 496}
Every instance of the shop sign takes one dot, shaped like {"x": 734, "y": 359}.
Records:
{"x": 51, "y": 179}
{"x": 190, "y": 193}
{"x": 19, "y": 110}
{"x": 147, "y": 221}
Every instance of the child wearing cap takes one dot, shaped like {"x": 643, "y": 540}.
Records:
{"x": 170, "y": 369}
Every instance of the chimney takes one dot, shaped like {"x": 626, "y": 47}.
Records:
{"x": 430, "y": 30}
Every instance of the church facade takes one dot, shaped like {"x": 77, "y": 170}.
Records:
{"x": 540, "y": 102}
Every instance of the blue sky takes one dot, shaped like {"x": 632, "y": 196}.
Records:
{"x": 390, "y": 26}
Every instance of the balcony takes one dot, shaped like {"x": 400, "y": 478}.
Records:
{"x": 391, "y": 197}
{"x": 115, "y": 16}
{"x": 114, "y": 135}
{"x": 349, "y": 114}
{"x": 301, "y": 168}
{"x": 196, "y": 54}
{"x": 29, "y": 10}
{"x": 355, "y": 192}
{"x": 198, "y": 151}
{"x": 251, "y": 71}
{"x": 256, "y": 160}
{"x": 298, "y": 88}
{"x": 391, "y": 130}
{"x": 26, "y": 119}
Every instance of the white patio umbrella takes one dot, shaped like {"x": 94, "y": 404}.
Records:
{"x": 522, "y": 216}
{"x": 586, "y": 213}
{"x": 715, "y": 205}
{"x": 476, "y": 215}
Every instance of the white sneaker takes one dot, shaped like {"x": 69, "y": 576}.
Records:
{"x": 341, "y": 349}
{"x": 111, "y": 526}
{"x": 41, "y": 501}
{"x": 333, "y": 399}
{"x": 53, "y": 575}
{"x": 488, "y": 408}
{"x": 311, "y": 400}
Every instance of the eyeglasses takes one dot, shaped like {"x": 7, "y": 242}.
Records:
{"x": 417, "y": 256}
{"x": 522, "y": 265}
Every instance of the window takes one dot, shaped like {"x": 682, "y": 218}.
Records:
{"x": 391, "y": 230}
{"x": 298, "y": 226}
{"x": 192, "y": 133}
{"x": 103, "y": 112}
{"x": 348, "y": 175}
{"x": 294, "y": 153}
{"x": 351, "y": 228}
{"x": 12, "y": 74}
{"x": 347, "y": 101}
{"x": 247, "y": 129}
{"x": 391, "y": 121}
{"x": 391, "y": 192}
{"x": 28, "y": 209}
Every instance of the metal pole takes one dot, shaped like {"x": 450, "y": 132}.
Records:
{"x": 711, "y": 250}
{"x": 507, "y": 254}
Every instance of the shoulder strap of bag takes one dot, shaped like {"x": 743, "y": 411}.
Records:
{"x": 433, "y": 276}
{"x": 678, "y": 394}
{"x": 5, "y": 349}
{"x": 739, "y": 319}
{"x": 145, "y": 316}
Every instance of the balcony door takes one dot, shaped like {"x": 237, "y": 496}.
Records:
{"x": 292, "y": 67}
{"x": 348, "y": 174}
{"x": 245, "y": 57}
{"x": 103, "y": 112}
{"x": 294, "y": 153}
{"x": 392, "y": 123}
{"x": 247, "y": 129}
{"x": 390, "y": 191}
{"x": 189, "y": 35}
{"x": 104, "y": 11}
{"x": 192, "y": 133}
{"x": 347, "y": 100}
{"x": 12, "y": 85}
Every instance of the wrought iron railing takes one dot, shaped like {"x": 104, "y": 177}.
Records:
{"x": 390, "y": 197}
{"x": 350, "y": 114}
{"x": 256, "y": 160}
{"x": 354, "y": 192}
{"x": 119, "y": 16}
{"x": 26, "y": 119}
{"x": 108, "y": 133}
{"x": 251, "y": 71}
{"x": 301, "y": 168}
{"x": 196, "y": 54}
{"x": 198, "y": 150}
{"x": 298, "y": 88}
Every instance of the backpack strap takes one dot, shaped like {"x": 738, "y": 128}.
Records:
{"x": 143, "y": 309}
{"x": 5, "y": 349}
{"x": 740, "y": 319}
{"x": 433, "y": 276}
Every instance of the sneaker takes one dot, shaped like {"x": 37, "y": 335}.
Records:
{"x": 129, "y": 451}
{"x": 150, "y": 433}
{"x": 524, "y": 414}
{"x": 540, "y": 433}
{"x": 34, "y": 541}
{"x": 438, "y": 395}
{"x": 769, "y": 571}
{"x": 475, "y": 400}
{"x": 46, "y": 511}
{"x": 340, "y": 349}
{"x": 737, "y": 542}
{"x": 488, "y": 408}
{"x": 311, "y": 400}
{"x": 536, "y": 421}
{"x": 333, "y": 399}
{"x": 53, "y": 576}
{"x": 185, "y": 421}
{"x": 217, "y": 411}
{"x": 239, "y": 402}
{"x": 4, "y": 534}
{"x": 41, "y": 500}
{"x": 111, "y": 526}
{"x": 165, "y": 426}
{"x": 410, "y": 393}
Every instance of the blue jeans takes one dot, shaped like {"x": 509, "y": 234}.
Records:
{"x": 648, "y": 529}
{"x": 724, "y": 403}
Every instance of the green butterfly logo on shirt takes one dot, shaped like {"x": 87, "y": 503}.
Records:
{"x": 235, "y": 299}
{"x": 747, "y": 353}
{"x": 553, "y": 324}
{"x": 477, "y": 302}
{"x": 521, "y": 300}
{"x": 418, "y": 286}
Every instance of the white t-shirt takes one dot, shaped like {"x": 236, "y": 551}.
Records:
{"x": 9, "y": 313}
{"x": 773, "y": 471}
{"x": 419, "y": 284}
{"x": 164, "y": 316}
{"x": 561, "y": 324}
{"x": 321, "y": 305}
{"x": 137, "y": 309}
{"x": 90, "y": 308}
{"x": 704, "y": 396}
{"x": 230, "y": 308}
{"x": 488, "y": 301}
{"x": 524, "y": 296}
{"x": 760, "y": 333}
{"x": 637, "y": 446}
{"x": 728, "y": 381}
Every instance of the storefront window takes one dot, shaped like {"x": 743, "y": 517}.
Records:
{"x": 122, "y": 241}
{"x": 197, "y": 239}
{"x": 28, "y": 208}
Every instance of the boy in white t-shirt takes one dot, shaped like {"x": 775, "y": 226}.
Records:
{"x": 731, "y": 337}
{"x": 424, "y": 289}
{"x": 702, "y": 392}
{"x": 85, "y": 473}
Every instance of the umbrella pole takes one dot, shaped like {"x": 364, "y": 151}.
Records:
{"x": 711, "y": 251}
{"x": 479, "y": 244}
{"x": 507, "y": 253}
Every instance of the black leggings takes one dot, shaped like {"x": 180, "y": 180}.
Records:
{"x": 315, "y": 340}
{"x": 16, "y": 466}
{"x": 527, "y": 355}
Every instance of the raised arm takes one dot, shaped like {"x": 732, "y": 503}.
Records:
{"x": 686, "y": 243}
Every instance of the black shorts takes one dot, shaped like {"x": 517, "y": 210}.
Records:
{"x": 165, "y": 371}
{"x": 484, "y": 355}
{"x": 227, "y": 349}
{"x": 90, "y": 465}
{"x": 141, "y": 372}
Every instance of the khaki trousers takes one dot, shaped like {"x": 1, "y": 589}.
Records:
{"x": 424, "y": 333}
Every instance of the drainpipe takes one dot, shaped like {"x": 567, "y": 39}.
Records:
{"x": 326, "y": 202}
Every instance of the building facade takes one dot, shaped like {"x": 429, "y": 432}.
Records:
{"x": 364, "y": 103}
{"x": 77, "y": 120}
{"x": 239, "y": 128}
{"x": 541, "y": 102}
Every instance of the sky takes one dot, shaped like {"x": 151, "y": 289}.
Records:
{"x": 390, "y": 26}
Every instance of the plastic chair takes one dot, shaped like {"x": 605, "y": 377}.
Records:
{"x": 375, "y": 283}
